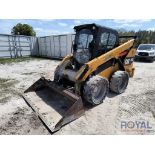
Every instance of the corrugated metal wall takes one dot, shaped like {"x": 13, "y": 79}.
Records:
{"x": 16, "y": 46}
{"x": 56, "y": 46}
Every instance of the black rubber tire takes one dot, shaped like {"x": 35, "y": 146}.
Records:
{"x": 119, "y": 81}
{"x": 95, "y": 84}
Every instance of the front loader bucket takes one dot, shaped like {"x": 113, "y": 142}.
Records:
{"x": 55, "y": 105}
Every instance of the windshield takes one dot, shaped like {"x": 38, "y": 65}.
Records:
{"x": 146, "y": 47}
{"x": 84, "y": 37}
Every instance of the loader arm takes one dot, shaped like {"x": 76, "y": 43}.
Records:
{"x": 115, "y": 53}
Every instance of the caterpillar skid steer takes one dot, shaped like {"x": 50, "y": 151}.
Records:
{"x": 99, "y": 62}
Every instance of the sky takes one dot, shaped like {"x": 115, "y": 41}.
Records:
{"x": 46, "y": 27}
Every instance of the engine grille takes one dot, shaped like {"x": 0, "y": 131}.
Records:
{"x": 143, "y": 54}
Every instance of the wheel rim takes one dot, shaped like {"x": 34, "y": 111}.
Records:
{"x": 99, "y": 93}
{"x": 123, "y": 83}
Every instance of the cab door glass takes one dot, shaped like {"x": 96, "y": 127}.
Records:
{"x": 104, "y": 39}
{"x": 85, "y": 37}
{"x": 111, "y": 41}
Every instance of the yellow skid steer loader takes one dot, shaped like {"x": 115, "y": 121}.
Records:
{"x": 98, "y": 63}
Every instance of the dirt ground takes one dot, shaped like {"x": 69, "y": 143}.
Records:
{"x": 137, "y": 104}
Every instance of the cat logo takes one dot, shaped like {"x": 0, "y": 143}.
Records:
{"x": 129, "y": 61}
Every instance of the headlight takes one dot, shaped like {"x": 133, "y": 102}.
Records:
{"x": 82, "y": 56}
{"x": 137, "y": 52}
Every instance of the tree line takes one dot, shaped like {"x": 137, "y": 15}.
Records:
{"x": 143, "y": 36}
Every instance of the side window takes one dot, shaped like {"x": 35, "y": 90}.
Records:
{"x": 108, "y": 40}
{"x": 104, "y": 39}
{"x": 111, "y": 41}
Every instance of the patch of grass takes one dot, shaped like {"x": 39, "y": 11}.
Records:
{"x": 6, "y": 89}
{"x": 5, "y": 83}
{"x": 16, "y": 60}
{"x": 2, "y": 80}
{"x": 4, "y": 99}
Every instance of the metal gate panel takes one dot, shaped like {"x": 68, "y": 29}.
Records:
{"x": 63, "y": 46}
{"x": 42, "y": 47}
{"x": 17, "y": 45}
{"x": 48, "y": 46}
{"x": 3, "y": 38}
{"x": 4, "y": 54}
{"x": 57, "y": 53}
{"x": 52, "y": 46}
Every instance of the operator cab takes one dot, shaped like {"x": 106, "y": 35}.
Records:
{"x": 93, "y": 40}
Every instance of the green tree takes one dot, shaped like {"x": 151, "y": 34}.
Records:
{"x": 143, "y": 36}
{"x": 23, "y": 29}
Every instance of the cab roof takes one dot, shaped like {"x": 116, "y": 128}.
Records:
{"x": 79, "y": 27}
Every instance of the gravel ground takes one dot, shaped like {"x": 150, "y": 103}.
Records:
{"x": 132, "y": 112}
